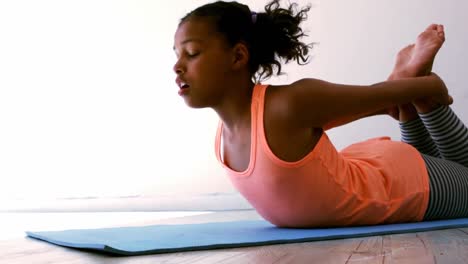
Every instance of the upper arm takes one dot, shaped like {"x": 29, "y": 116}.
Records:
{"x": 317, "y": 103}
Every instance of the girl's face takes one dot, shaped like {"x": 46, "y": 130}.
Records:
{"x": 203, "y": 62}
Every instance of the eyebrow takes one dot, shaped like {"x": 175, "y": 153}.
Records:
{"x": 189, "y": 40}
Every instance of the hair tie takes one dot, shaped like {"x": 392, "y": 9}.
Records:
{"x": 254, "y": 17}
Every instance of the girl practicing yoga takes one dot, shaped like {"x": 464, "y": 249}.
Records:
{"x": 272, "y": 139}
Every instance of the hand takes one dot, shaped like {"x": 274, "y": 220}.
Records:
{"x": 394, "y": 112}
{"x": 441, "y": 97}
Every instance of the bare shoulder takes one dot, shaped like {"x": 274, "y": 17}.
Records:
{"x": 277, "y": 102}
{"x": 284, "y": 102}
{"x": 298, "y": 90}
{"x": 288, "y": 138}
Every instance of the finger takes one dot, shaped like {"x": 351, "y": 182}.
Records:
{"x": 434, "y": 74}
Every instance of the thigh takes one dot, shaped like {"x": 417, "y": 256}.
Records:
{"x": 448, "y": 196}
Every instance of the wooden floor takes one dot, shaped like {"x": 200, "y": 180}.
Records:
{"x": 442, "y": 246}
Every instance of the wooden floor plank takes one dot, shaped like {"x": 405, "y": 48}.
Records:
{"x": 406, "y": 248}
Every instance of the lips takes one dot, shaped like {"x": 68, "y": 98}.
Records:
{"x": 183, "y": 86}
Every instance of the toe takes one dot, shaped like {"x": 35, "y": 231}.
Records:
{"x": 432, "y": 27}
{"x": 441, "y": 32}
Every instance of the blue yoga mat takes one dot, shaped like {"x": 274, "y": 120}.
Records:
{"x": 185, "y": 237}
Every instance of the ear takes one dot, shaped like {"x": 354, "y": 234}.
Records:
{"x": 241, "y": 56}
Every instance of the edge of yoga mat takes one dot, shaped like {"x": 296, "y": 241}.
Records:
{"x": 307, "y": 235}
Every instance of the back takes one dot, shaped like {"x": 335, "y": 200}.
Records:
{"x": 363, "y": 184}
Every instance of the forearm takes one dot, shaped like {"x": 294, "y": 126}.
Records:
{"x": 386, "y": 94}
{"x": 393, "y": 92}
{"x": 349, "y": 119}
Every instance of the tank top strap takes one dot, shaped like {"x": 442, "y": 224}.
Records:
{"x": 257, "y": 106}
{"x": 218, "y": 142}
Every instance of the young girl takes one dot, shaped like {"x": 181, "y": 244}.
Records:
{"x": 271, "y": 139}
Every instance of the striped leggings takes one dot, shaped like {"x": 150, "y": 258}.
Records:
{"x": 443, "y": 141}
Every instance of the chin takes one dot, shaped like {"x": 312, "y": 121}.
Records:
{"x": 195, "y": 105}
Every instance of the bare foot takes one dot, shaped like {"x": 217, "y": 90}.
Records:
{"x": 400, "y": 70}
{"x": 428, "y": 43}
{"x": 417, "y": 60}
{"x": 426, "y": 47}
{"x": 404, "y": 112}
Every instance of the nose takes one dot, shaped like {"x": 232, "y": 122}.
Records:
{"x": 178, "y": 68}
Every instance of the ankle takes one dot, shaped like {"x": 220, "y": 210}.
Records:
{"x": 407, "y": 113}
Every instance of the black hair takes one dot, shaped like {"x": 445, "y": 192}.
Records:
{"x": 271, "y": 36}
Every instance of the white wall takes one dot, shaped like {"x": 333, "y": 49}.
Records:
{"x": 88, "y": 104}
{"x": 359, "y": 41}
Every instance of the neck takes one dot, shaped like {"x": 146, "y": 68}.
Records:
{"x": 234, "y": 111}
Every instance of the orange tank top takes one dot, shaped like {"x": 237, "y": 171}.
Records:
{"x": 376, "y": 181}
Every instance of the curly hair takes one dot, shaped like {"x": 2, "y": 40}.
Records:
{"x": 272, "y": 36}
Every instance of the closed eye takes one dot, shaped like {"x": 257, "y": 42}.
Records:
{"x": 193, "y": 55}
